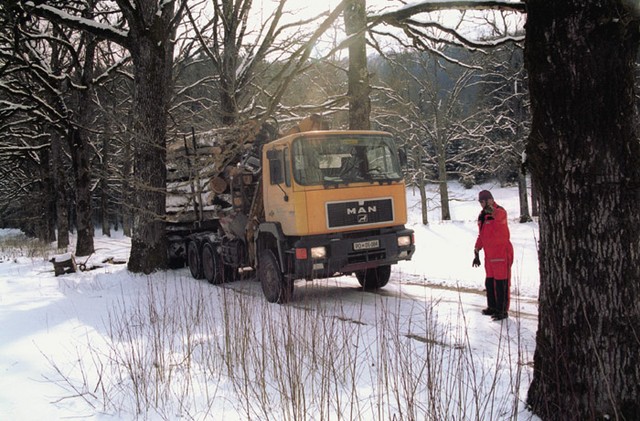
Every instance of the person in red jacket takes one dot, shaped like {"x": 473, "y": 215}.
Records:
{"x": 493, "y": 238}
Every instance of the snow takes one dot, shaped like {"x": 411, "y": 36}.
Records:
{"x": 71, "y": 18}
{"x": 63, "y": 257}
{"x": 105, "y": 344}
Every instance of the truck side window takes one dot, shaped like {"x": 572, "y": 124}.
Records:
{"x": 275, "y": 166}
{"x": 287, "y": 167}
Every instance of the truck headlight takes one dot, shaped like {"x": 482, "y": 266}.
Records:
{"x": 318, "y": 252}
{"x": 404, "y": 241}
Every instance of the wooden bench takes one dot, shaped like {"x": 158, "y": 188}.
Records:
{"x": 64, "y": 263}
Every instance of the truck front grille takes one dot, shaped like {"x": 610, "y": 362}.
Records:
{"x": 359, "y": 213}
{"x": 366, "y": 257}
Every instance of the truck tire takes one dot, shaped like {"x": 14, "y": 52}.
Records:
{"x": 374, "y": 278}
{"x": 212, "y": 264}
{"x": 194, "y": 261}
{"x": 275, "y": 286}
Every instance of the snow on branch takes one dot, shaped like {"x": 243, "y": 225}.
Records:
{"x": 434, "y": 6}
{"x": 58, "y": 15}
{"x": 405, "y": 19}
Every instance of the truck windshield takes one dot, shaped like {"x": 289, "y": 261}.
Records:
{"x": 339, "y": 159}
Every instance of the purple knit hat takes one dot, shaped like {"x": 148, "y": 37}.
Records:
{"x": 485, "y": 195}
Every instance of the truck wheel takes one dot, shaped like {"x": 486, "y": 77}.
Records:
{"x": 194, "y": 261}
{"x": 211, "y": 264}
{"x": 275, "y": 286}
{"x": 374, "y": 278}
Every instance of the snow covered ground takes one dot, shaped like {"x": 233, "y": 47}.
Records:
{"x": 104, "y": 344}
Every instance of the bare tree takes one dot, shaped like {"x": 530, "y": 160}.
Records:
{"x": 252, "y": 66}
{"x": 583, "y": 152}
{"x": 24, "y": 141}
{"x": 445, "y": 120}
{"x": 507, "y": 119}
{"x": 152, "y": 58}
{"x": 235, "y": 62}
{"x": 58, "y": 65}
{"x": 79, "y": 140}
{"x": 452, "y": 127}
{"x": 145, "y": 29}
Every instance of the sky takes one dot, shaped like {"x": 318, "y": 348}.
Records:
{"x": 105, "y": 344}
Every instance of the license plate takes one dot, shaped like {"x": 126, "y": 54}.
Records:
{"x": 366, "y": 245}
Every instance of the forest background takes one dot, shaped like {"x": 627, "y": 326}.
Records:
{"x": 68, "y": 151}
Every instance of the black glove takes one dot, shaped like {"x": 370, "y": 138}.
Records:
{"x": 476, "y": 260}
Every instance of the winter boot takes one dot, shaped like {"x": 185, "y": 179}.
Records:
{"x": 500, "y": 316}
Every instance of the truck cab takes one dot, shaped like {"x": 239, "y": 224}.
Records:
{"x": 334, "y": 204}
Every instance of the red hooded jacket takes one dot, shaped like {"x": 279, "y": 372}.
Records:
{"x": 494, "y": 238}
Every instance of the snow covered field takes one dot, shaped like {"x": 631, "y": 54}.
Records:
{"x": 105, "y": 344}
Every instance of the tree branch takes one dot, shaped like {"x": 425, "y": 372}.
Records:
{"x": 433, "y": 6}
{"x": 98, "y": 29}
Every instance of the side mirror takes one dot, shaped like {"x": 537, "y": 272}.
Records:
{"x": 402, "y": 154}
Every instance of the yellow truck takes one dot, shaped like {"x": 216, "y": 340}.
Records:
{"x": 308, "y": 205}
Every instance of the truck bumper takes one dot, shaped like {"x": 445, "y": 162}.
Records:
{"x": 346, "y": 253}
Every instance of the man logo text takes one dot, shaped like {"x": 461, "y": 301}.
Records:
{"x": 362, "y": 210}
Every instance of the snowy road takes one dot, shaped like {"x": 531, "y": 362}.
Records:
{"x": 457, "y": 310}
{"x": 429, "y": 313}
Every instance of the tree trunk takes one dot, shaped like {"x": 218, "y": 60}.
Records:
{"x": 151, "y": 52}
{"x": 424, "y": 204}
{"x": 355, "y": 20}
{"x": 445, "y": 211}
{"x": 126, "y": 197}
{"x": 81, "y": 168}
{"x": 229, "y": 78}
{"x": 441, "y": 149}
{"x": 421, "y": 186}
{"x": 45, "y": 224}
{"x": 104, "y": 191}
{"x": 535, "y": 208}
{"x": 228, "y": 108}
{"x": 79, "y": 141}
{"x": 524, "y": 198}
{"x": 60, "y": 182}
{"x": 584, "y": 153}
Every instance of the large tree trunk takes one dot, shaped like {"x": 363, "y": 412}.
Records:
{"x": 584, "y": 155}
{"x": 79, "y": 143}
{"x": 58, "y": 158}
{"x": 355, "y": 20}
{"x": 80, "y": 148}
{"x": 151, "y": 52}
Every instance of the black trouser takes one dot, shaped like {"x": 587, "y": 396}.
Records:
{"x": 497, "y": 294}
